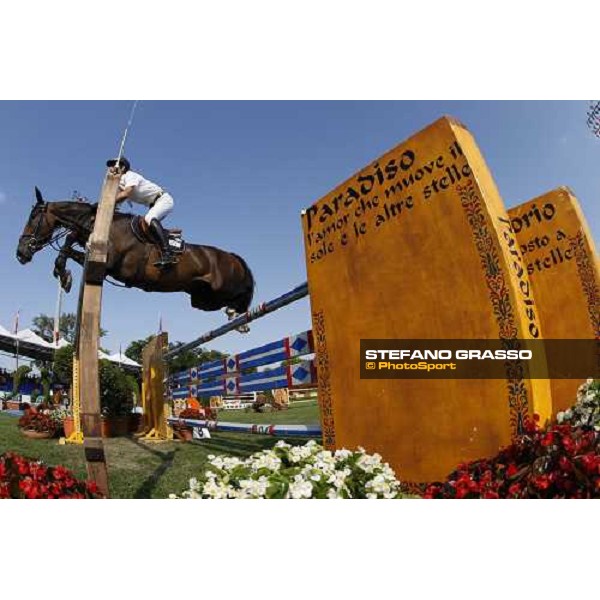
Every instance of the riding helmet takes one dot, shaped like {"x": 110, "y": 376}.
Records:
{"x": 123, "y": 162}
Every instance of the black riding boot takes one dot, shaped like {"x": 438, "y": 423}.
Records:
{"x": 161, "y": 236}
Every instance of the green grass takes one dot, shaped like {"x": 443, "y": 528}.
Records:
{"x": 139, "y": 470}
{"x": 302, "y": 414}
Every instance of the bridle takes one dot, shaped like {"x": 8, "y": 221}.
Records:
{"x": 33, "y": 243}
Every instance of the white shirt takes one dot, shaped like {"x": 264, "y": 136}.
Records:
{"x": 144, "y": 191}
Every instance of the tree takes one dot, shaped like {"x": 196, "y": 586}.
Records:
{"x": 18, "y": 376}
{"x": 116, "y": 394}
{"x": 185, "y": 360}
{"x": 133, "y": 382}
{"x": 46, "y": 379}
{"x": 43, "y": 325}
{"x": 117, "y": 387}
{"x": 191, "y": 358}
{"x": 63, "y": 365}
{"x": 134, "y": 350}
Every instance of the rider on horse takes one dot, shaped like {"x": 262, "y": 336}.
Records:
{"x": 135, "y": 188}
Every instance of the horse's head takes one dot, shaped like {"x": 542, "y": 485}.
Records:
{"x": 38, "y": 230}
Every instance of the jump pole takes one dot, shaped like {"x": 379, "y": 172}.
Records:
{"x": 89, "y": 329}
{"x": 154, "y": 358}
{"x": 257, "y": 312}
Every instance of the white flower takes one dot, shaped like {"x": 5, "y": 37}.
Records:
{"x": 253, "y": 488}
{"x": 312, "y": 465}
{"x": 342, "y": 454}
{"x": 300, "y": 489}
{"x": 299, "y": 453}
{"x": 379, "y": 485}
{"x": 216, "y": 490}
{"x": 266, "y": 461}
{"x": 338, "y": 479}
{"x": 369, "y": 462}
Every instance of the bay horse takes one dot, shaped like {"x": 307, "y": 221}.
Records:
{"x": 213, "y": 278}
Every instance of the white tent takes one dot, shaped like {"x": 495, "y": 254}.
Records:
{"x": 27, "y": 335}
{"x": 6, "y": 332}
{"x": 123, "y": 360}
{"x": 30, "y": 337}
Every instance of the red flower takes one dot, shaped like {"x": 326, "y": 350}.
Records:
{"x": 491, "y": 495}
{"x": 514, "y": 490}
{"x": 590, "y": 462}
{"x": 568, "y": 444}
{"x": 544, "y": 460}
{"x": 542, "y": 482}
{"x": 512, "y": 470}
{"x": 548, "y": 439}
{"x": 565, "y": 464}
{"x": 23, "y": 478}
{"x": 60, "y": 473}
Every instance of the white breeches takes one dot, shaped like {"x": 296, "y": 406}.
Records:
{"x": 162, "y": 207}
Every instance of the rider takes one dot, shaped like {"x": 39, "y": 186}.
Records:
{"x": 135, "y": 188}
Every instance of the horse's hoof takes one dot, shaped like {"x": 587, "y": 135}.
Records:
{"x": 243, "y": 328}
{"x": 66, "y": 282}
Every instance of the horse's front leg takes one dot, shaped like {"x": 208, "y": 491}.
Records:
{"x": 60, "y": 264}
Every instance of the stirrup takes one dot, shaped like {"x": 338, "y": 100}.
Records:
{"x": 165, "y": 261}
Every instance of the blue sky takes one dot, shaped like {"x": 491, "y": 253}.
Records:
{"x": 240, "y": 173}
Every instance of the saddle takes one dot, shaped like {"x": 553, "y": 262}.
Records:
{"x": 140, "y": 229}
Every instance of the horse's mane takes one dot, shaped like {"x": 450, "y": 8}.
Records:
{"x": 82, "y": 211}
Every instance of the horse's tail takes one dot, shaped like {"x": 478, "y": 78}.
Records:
{"x": 244, "y": 300}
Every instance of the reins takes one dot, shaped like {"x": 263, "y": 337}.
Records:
{"x": 64, "y": 224}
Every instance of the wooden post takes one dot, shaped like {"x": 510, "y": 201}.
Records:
{"x": 156, "y": 410}
{"x": 89, "y": 329}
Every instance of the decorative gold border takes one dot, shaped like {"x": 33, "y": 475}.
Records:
{"x": 324, "y": 380}
{"x": 500, "y": 298}
{"x": 589, "y": 282}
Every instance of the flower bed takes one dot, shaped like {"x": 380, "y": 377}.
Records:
{"x": 287, "y": 471}
{"x": 183, "y": 431}
{"x": 27, "y": 478}
{"x": 558, "y": 461}
{"x": 191, "y": 413}
{"x": 38, "y": 422}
